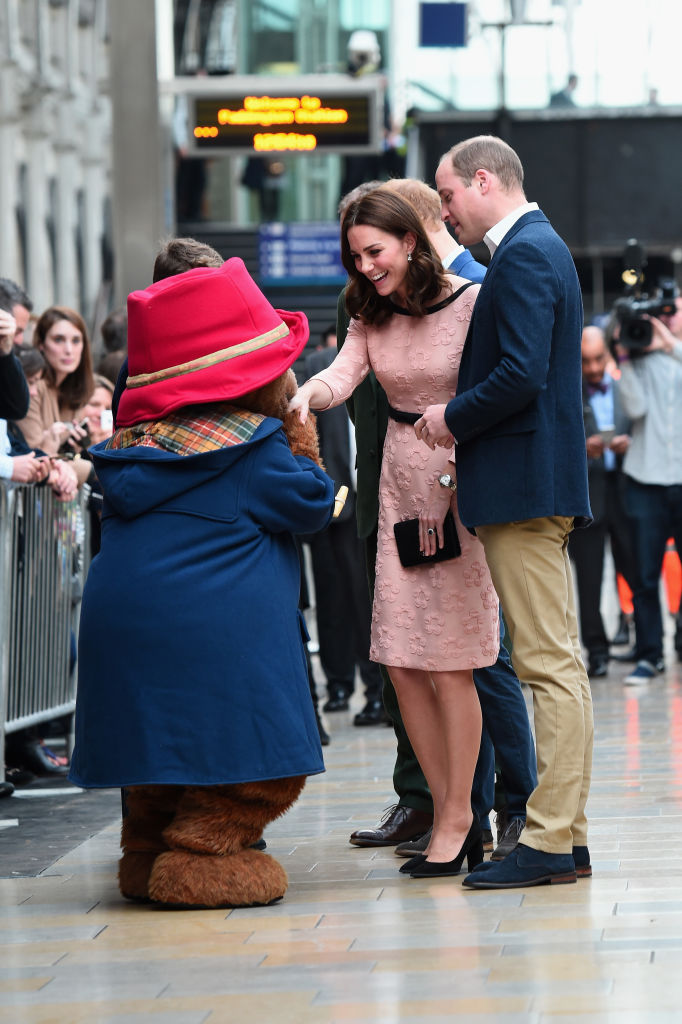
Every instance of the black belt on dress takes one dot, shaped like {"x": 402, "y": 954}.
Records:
{"x": 403, "y": 417}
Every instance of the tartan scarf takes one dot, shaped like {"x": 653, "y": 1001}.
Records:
{"x": 192, "y": 430}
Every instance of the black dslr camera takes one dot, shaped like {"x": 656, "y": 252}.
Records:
{"x": 633, "y": 308}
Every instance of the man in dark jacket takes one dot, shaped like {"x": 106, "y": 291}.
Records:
{"x": 522, "y": 472}
{"x": 343, "y": 609}
{"x": 607, "y": 429}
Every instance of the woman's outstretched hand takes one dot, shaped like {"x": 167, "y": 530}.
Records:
{"x": 300, "y": 403}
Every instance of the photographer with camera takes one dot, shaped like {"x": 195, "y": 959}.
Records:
{"x": 649, "y": 352}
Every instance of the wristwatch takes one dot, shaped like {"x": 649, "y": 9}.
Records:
{"x": 445, "y": 480}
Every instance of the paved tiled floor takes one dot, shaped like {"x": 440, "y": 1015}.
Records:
{"x": 355, "y": 941}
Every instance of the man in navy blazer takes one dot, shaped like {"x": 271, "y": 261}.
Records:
{"x": 521, "y": 466}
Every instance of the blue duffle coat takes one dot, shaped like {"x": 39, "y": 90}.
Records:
{"x": 191, "y": 667}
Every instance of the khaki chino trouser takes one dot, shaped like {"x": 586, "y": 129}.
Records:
{"x": 531, "y": 572}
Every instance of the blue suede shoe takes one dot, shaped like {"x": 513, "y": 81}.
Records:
{"x": 524, "y": 866}
{"x": 581, "y": 858}
{"x": 583, "y": 867}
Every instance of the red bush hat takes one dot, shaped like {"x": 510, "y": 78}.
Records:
{"x": 208, "y": 335}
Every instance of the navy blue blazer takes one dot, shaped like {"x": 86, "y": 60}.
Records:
{"x": 517, "y": 415}
{"x": 466, "y": 266}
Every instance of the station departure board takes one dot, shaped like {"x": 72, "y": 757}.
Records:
{"x": 305, "y": 114}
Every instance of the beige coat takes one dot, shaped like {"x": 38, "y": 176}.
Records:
{"x": 43, "y": 412}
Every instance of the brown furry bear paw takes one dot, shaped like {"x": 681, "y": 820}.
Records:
{"x": 188, "y": 880}
{"x": 134, "y": 869}
{"x": 302, "y": 437}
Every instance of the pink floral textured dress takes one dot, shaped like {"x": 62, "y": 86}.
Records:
{"x": 444, "y": 616}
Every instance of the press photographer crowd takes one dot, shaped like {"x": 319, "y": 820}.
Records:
{"x": 632, "y": 375}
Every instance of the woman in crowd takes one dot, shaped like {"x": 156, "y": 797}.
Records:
{"x": 433, "y": 623}
{"x": 98, "y": 427}
{"x": 67, "y": 383}
{"x": 97, "y": 410}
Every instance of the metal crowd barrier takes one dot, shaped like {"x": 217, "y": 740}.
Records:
{"x": 44, "y": 558}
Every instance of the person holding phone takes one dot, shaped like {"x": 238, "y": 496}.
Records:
{"x": 97, "y": 417}
{"x": 55, "y": 412}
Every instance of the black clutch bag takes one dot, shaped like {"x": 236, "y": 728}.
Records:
{"x": 407, "y": 539}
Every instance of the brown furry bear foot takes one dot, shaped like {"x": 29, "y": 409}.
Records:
{"x": 248, "y": 878}
{"x": 134, "y": 870}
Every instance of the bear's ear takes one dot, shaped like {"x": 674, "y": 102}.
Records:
{"x": 302, "y": 437}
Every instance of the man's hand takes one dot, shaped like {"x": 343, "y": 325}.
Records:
{"x": 620, "y": 444}
{"x": 8, "y": 326}
{"x": 662, "y": 340}
{"x": 26, "y": 469}
{"x": 594, "y": 446}
{"x": 432, "y": 428}
{"x": 63, "y": 480}
{"x": 57, "y": 433}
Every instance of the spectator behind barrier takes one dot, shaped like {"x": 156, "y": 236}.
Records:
{"x": 26, "y": 754}
{"x": 97, "y": 413}
{"x": 23, "y": 467}
{"x": 110, "y": 365}
{"x": 14, "y": 299}
{"x": 53, "y": 417}
{"x": 114, "y": 332}
{"x": 14, "y": 397}
{"x": 60, "y": 476}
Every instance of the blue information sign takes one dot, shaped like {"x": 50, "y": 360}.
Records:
{"x": 442, "y": 24}
{"x": 293, "y": 253}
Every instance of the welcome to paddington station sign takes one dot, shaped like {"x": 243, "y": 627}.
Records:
{"x": 303, "y": 114}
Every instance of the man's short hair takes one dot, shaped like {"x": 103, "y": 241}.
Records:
{"x": 32, "y": 359}
{"x": 491, "y": 154}
{"x": 11, "y": 295}
{"x": 357, "y": 193}
{"x": 115, "y": 330}
{"x": 425, "y": 199}
{"x": 181, "y": 254}
{"x": 110, "y": 364}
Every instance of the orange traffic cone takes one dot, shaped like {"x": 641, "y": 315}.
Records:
{"x": 672, "y": 577}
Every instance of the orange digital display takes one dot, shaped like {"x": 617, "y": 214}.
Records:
{"x": 267, "y": 123}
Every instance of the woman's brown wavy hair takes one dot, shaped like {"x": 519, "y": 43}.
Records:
{"x": 75, "y": 389}
{"x": 426, "y": 278}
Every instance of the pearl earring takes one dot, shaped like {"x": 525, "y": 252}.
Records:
{"x": 409, "y": 257}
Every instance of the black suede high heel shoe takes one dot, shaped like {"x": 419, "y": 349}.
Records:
{"x": 412, "y": 863}
{"x": 472, "y": 849}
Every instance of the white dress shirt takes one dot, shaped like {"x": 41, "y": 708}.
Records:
{"x": 452, "y": 256}
{"x": 496, "y": 233}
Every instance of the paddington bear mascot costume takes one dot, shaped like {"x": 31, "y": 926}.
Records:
{"x": 193, "y": 689}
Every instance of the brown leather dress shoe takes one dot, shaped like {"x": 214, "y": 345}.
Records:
{"x": 397, "y": 826}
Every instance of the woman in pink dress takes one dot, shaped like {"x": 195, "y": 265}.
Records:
{"x": 434, "y": 623}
